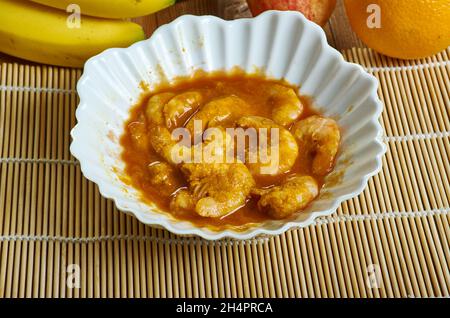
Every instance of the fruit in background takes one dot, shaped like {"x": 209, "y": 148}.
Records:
{"x": 41, "y": 34}
{"x": 318, "y": 11}
{"x": 408, "y": 30}
{"x": 118, "y": 9}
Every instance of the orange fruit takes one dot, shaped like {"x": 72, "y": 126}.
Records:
{"x": 409, "y": 29}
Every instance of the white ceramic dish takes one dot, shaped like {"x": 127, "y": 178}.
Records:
{"x": 284, "y": 45}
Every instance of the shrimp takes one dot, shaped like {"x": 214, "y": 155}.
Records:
{"x": 321, "y": 137}
{"x": 216, "y": 112}
{"x": 162, "y": 142}
{"x": 163, "y": 112}
{"x": 167, "y": 108}
{"x": 217, "y": 189}
{"x": 154, "y": 109}
{"x": 164, "y": 177}
{"x": 286, "y": 106}
{"x": 180, "y": 106}
{"x": 286, "y": 149}
{"x": 182, "y": 201}
{"x": 171, "y": 150}
{"x": 291, "y": 196}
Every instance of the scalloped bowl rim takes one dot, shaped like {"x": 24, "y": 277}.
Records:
{"x": 251, "y": 232}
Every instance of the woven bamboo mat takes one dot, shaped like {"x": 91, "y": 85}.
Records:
{"x": 391, "y": 241}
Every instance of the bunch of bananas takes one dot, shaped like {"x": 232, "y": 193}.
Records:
{"x": 40, "y": 31}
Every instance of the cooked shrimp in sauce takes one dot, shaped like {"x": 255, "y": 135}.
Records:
{"x": 215, "y": 183}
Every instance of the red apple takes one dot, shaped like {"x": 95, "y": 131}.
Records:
{"x": 318, "y": 11}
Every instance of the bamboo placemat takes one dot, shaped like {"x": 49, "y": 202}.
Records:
{"x": 51, "y": 217}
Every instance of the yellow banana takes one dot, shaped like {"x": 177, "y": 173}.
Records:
{"x": 117, "y": 9}
{"x": 46, "y": 35}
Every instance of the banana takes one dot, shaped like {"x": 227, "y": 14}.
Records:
{"x": 118, "y": 9}
{"x": 46, "y": 35}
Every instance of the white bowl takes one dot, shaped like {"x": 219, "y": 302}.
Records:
{"x": 285, "y": 45}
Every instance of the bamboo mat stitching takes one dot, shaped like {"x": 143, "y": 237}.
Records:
{"x": 30, "y": 160}
{"x": 440, "y": 134}
{"x": 415, "y": 67}
{"x": 29, "y": 89}
{"x": 105, "y": 238}
{"x": 318, "y": 221}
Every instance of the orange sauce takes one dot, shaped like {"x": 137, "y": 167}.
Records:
{"x": 248, "y": 88}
